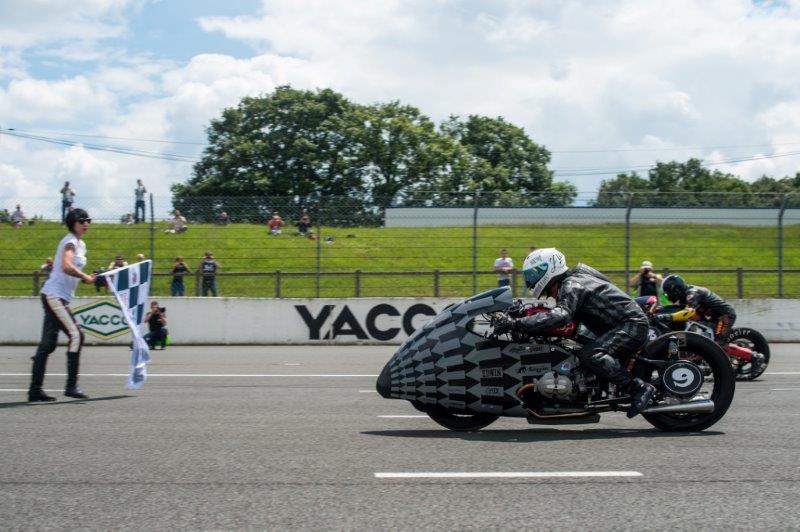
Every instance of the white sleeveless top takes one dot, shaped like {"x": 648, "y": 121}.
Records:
{"x": 59, "y": 284}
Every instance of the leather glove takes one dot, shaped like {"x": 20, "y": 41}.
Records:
{"x": 664, "y": 318}
{"x": 503, "y": 324}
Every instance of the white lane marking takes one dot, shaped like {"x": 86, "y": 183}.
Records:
{"x": 406, "y": 416}
{"x": 292, "y": 364}
{"x": 782, "y": 373}
{"x": 515, "y": 474}
{"x": 25, "y": 390}
{"x": 262, "y": 375}
{"x": 367, "y": 391}
{"x": 784, "y": 389}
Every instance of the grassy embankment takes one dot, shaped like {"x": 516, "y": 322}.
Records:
{"x": 248, "y": 248}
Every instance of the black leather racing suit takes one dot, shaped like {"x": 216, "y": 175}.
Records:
{"x": 712, "y": 308}
{"x": 586, "y": 296}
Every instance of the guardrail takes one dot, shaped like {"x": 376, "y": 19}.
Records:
{"x": 729, "y": 282}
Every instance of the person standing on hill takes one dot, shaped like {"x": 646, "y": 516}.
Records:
{"x": 503, "y": 266}
{"x": 139, "y": 192}
{"x": 57, "y": 292}
{"x": 179, "y": 270}
{"x": 67, "y": 199}
{"x": 209, "y": 267}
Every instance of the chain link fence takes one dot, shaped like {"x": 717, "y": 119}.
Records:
{"x": 422, "y": 244}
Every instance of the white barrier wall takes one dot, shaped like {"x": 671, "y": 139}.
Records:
{"x": 308, "y": 321}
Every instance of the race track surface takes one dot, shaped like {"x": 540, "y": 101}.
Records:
{"x": 219, "y": 439}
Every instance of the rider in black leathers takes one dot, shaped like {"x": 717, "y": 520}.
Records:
{"x": 698, "y": 301}
{"x": 586, "y": 296}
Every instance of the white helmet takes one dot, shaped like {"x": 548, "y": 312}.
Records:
{"x": 540, "y": 267}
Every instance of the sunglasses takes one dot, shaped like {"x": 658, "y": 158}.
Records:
{"x": 85, "y": 220}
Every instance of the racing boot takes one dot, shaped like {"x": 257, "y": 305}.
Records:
{"x": 757, "y": 364}
{"x": 72, "y": 390}
{"x": 35, "y": 393}
{"x": 641, "y": 395}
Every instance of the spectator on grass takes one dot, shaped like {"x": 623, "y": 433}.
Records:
{"x": 127, "y": 219}
{"x": 503, "y": 265}
{"x": 139, "y": 193}
{"x": 275, "y": 223}
{"x": 209, "y": 267}
{"x": 179, "y": 270}
{"x": 118, "y": 262}
{"x": 67, "y": 199}
{"x": 646, "y": 281}
{"x": 303, "y": 224}
{"x": 47, "y": 267}
{"x": 17, "y": 218}
{"x": 223, "y": 219}
{"x": 156, "y": 322}
{"x": 140, "y": 257}
{"x": 177, "y": 224}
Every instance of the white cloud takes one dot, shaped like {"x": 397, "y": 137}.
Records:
{"x": 25, "y": 100}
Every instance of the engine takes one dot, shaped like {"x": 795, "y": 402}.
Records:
{"x": 555, "y": 386}
{"x": 566, "y": 382}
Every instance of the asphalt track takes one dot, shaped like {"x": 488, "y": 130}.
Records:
{"x": 208, "y": 445}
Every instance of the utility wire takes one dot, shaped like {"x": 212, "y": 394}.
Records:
{"x": 87, "y": 135}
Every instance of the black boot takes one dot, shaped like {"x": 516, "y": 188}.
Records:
{"x": 72, "y": 390}
{"x": 35, "y": 393}
{"x": 641, "y": 395}
{"x": 38, "y": 396}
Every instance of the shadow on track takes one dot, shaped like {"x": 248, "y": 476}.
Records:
{"x": 539, "y": 434}
{"x": 70, "y": 402}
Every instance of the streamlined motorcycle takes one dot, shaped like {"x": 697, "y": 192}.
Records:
{"x": 465, "y": 377}
{"x": 747, "y": 349}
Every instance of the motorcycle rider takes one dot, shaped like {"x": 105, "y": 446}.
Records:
{"x": 697, "y": 301}
{"x": 586, "y": 296}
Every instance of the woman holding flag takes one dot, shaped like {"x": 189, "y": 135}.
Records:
{"x": 57, "y": 292}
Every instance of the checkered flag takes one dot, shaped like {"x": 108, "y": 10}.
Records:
{"x": 131, "y": 286}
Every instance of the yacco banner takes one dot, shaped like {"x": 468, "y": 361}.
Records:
{"x": 131, "y": 287}
{"x": 101, "y": 319}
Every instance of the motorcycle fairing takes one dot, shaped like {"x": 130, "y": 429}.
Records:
{"x": 445, "y": 363}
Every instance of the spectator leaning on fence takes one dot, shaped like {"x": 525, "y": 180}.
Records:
{"x": 209, "y": 267}
{"x": 179, "y": 270}
{"x": 47, "y": 267}
{"x": 139, "y": 192}
{"x": 118, "y": 262}
{"x": 646, "y": 281}
{"x": 177, "y": 224}
{"x": 17, "y": 218}
{"x": 275, "y": 223}
{"x": 67, "y": 199}
{"x": 503, "y": 265}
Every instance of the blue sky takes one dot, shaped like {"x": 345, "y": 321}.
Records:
{"x": 605, "y": 84}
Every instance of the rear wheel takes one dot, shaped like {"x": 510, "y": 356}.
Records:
{"x": 754, "y": 341}
{"x": 718, "y": 386}
{"x": 460, "y": 422}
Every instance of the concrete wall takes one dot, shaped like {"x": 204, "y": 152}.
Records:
{"x": 461, "y": 217}
{"x": 291, "y": 321}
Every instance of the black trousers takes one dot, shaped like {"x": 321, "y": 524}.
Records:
{"x": 57, "y": 317}
{"x": 139, "y": 205}
{"x": 602, "y": 357}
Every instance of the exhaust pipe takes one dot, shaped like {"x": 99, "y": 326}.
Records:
{"x": 702, "y": 406}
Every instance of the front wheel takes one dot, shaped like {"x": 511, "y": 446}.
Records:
{"x": 713, "y": 362}
{"x": 459, "y": 422}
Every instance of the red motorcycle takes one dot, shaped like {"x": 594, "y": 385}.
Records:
{"x": 746, "y": 348}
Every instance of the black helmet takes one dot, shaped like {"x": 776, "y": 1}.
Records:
{"x": 674, "y": 287}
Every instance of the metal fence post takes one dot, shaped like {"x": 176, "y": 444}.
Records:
{"x": 475, "y": 243}
{"x": 278, "y": 284}
{"x": 152, "y": 230}
{"x": 739, "y": 283}
{"x": 780, "y": 243}
{"x": 36, "y": 282}
{"x": 358, "y": 283}
{"x": 319, "y": 245}
{"x": 628, "y": 241}
{"x": 436, "y": 290}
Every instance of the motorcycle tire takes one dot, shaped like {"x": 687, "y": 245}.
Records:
{"x": 754, "y": 340}
{"x": 724, "y": 385}
{"x": 459, "y": 422}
